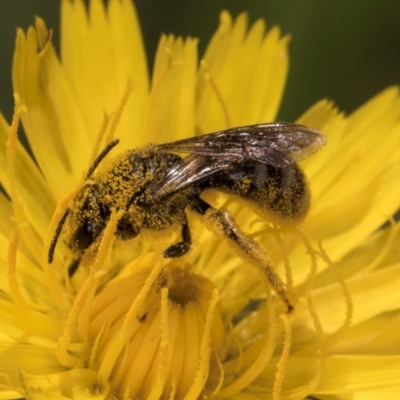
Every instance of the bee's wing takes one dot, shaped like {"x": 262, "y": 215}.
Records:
{"x": 192, "y": 170}
{"x": 278, "y": 144}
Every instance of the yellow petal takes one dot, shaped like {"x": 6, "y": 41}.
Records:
{"x": 103, "y": 54}
{"x": 170, "y": 113}
{"x": 53, "y": 122}
{"x": 378, "y": 335}
{"x": 372, "y": 294}
{"x": 346, "y": 168}
{"x": 352, "y": 374}
{"x": 326, "y": 118}
{"x": 74, "y": 384}
{"x": 243, "y": 77}
{"x": 33, "y": 191}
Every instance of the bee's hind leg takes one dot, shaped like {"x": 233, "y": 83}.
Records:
{"x": 181, "y": 248}
{"x": 221, "y": 223}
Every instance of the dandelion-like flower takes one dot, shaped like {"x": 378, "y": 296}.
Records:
{"x": 129, "y": 323}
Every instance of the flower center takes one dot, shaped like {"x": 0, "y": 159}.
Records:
{"x": 155, "y": 331}
{"x": 185, "y": 287}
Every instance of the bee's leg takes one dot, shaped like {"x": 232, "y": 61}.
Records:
{"x": 181, "y": 248}
{"x": 221, "y": 223}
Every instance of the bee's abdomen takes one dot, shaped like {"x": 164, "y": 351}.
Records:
{"x": 282, "y": 192}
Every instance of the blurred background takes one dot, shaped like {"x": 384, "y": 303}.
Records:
{"x": 344, "y": 50}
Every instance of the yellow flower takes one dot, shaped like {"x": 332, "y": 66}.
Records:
{"x": 131, "y": 324}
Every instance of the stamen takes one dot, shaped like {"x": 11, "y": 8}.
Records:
{"x": 322, "y": 353}
{"x": 384, "y": 250}
{"x": 286, "y": 263}
{"x": 122, "y": 337}
{"x": 20, "y": 219}
{"x": 162, "y": 358}
{"x": 106, "y": 239}
{"x": 308, "y": 284}
{"x": 173, "y": 390}
{"x": 79, "y": 314}
{"x": 157, "y": 84}
{"x": 239, "y": 359}
{"x": 96, "y": 345}
{"x": 208, "y": 78}
{"x": 116, "y": 116}
{"x": 14, "y": 290}
{"x": 82, "y": 299}
{"x": 282, "y": 363}
{"x": 348, "y": 300}
{"x": 205, "y": 352}
{"x": 34, "y": 245}
{"x": 264, "y": 349}
{"x": 221, "y": 378}
{"x": 12, "y": 145}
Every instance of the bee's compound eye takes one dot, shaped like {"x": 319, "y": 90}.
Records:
{"x": 85, "y": 235}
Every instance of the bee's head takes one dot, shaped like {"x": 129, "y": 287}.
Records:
{"x": 87, "y": 220}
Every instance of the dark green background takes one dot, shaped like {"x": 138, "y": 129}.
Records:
{"x": 346, "y": 50}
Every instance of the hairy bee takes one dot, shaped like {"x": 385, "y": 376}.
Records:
{"x": 154, "y": 186}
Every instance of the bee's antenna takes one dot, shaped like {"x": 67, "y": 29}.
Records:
{"x": 96, "y": 162}
{"x": 100, "y": 157}
{"x": 56, "y": 235}
{"x": 73, "y": 267}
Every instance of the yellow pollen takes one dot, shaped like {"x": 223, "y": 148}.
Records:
{"x": 106, "y": 239}
{"x": 84, "y": 298}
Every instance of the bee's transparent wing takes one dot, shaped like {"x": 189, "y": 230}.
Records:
{"x": 278, "y": 144}
{"x": 192, "y": 170}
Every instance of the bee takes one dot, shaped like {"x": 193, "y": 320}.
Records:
{"x": 155, "y": 186}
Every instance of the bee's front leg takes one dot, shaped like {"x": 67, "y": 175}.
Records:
{"x": 181, "y": 248}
